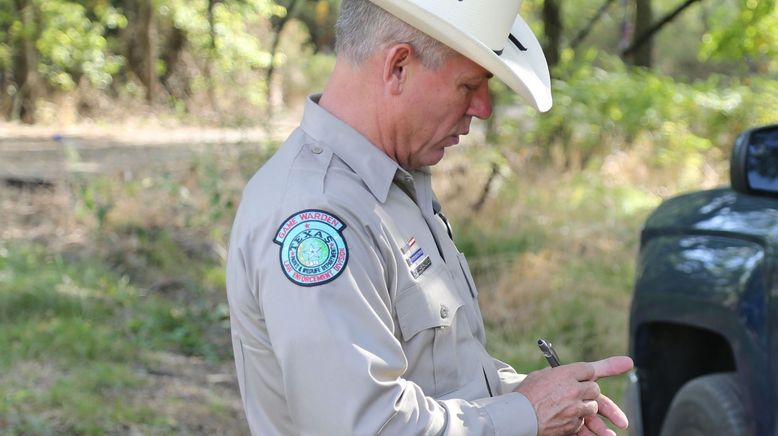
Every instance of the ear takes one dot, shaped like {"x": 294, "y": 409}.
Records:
{"x": 396, "y": 70}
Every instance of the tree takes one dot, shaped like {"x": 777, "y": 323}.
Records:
{"x": 643, "y": 18}
{"x": 552, "y": 27}
{"x": 590, "y": 25}
{"x": 24, "y": 61}
{"x": 640, "y": 49}
{"x": 148, "y": 38}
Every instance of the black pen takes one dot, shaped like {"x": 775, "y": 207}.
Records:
{"x": 548, "y": 353}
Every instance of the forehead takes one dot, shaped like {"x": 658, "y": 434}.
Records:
{"x": 463, "y": 68}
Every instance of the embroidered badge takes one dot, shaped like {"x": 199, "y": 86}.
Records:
{"x": 313, "y": 251}
{"x": 415, "y": 258}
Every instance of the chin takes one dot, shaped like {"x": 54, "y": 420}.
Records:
{"x": 434, "y": 158}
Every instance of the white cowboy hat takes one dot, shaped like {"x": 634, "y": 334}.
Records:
{"x": 488, "y": 32}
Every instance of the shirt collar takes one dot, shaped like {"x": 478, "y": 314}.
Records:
{"x": 371, "y": 164}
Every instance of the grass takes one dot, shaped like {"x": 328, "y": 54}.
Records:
{"x": 567, "y": 277}
{"x": 553, "y": 255}
{"x": 126, "y": 329}
{"x": 76, "y": 339}
{"x": 88, "y": 332}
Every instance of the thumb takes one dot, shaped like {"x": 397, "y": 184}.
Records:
{"x": 611, "y": 366}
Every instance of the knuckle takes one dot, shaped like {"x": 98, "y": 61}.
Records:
{"x": 589, "y": 390}
{"x": 590, "y": 371}
{"x": 594, "y": 390}
{"x": 587, "y": 408}
{"x": 592, "y": 407}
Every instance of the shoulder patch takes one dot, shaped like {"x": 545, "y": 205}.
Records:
{"x": 313, "y": 251}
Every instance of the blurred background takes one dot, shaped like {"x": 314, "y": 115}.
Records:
{"x": 130, "y": 126}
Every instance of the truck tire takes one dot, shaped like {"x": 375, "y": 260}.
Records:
{"x": 708, "y": 405}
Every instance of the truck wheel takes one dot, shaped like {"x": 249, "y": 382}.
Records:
{"x": 708, "y": 405}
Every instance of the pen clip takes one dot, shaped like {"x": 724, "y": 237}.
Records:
{"x": 549, "y": 353}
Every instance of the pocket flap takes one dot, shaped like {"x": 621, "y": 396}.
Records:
{"x": 428, "y": 304}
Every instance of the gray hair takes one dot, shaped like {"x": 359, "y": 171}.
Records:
{"x": 362, "y": 28}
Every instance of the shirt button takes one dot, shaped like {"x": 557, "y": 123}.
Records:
{"x": 443, "y": 311}
{"x": 316, "y": 150}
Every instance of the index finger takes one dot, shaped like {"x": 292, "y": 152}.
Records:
{"x": 611, "y": 366}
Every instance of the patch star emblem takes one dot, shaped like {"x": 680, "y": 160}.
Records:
{"x": 313, "y": 251}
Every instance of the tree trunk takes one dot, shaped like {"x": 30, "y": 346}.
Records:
{"x": 552, "y": 27}
{"x": 148, "y": 36}
{"x": 25, "y": 62}
{"x": 643, "y": 18}
{"x": 277, "y": 27}
{"x": 590, "y": 25}
{"x": 5, "y": 83}
{"x": 174, "y": 79}
{"x": 646, "y": 36}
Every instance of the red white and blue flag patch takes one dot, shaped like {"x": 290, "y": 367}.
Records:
{"x": 415, "y": 258}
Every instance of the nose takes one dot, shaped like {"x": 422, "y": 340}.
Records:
{"x": 481, "y": 102}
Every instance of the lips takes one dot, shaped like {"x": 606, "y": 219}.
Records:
{"x": 457, "y": 135}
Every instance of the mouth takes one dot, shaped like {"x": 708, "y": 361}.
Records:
{"x": 455, "y": 137}
{"x": 450, "y": 141}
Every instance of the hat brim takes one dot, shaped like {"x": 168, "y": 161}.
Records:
{"x": 524, "y": 71}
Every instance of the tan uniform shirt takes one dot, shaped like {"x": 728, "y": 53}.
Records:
{"x": 352, "y": 311}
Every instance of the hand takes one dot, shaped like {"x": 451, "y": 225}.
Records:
{"x": 567, "y": 398}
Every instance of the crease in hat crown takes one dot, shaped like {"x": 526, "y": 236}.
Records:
{"x": 479, "y": 30}
{"x": 471, "y": 15}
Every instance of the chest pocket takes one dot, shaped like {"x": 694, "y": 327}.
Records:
{"x": 428, "y": 317}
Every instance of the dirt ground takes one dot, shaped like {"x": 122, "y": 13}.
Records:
{"x": 45, "y": 154}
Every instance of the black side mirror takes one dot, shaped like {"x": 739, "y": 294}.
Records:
{"x": 754, "y": 163}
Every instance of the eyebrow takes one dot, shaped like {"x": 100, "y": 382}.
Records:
{"x": 488, "y": 75}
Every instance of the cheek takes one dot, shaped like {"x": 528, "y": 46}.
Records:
{"x": 443, "y": 114}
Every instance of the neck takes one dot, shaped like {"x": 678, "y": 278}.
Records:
{"x": 354, "y": 95}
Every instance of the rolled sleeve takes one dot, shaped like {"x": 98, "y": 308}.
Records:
{"x": 509, "y": 378}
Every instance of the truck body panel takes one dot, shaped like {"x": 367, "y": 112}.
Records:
{"x": 705, "y": 300}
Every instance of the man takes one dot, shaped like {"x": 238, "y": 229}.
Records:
{"x": 352, "y": 311}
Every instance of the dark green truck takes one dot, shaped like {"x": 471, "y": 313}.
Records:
{"x": 704, "y": 318}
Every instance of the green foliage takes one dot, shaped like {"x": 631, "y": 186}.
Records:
{"x": 227, "y": 43}
{"x": 749, "y": 33}
{"x": 232, "y": 45}
{"x": 72, "y": 42}
{"x": 102, "y": 41}
{"x": 600, "y": 106}
{"x": 7, "y": 20}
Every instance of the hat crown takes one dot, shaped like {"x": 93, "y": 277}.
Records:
{"x": 488, "y": 21}
{"x": 480, "y": 31}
